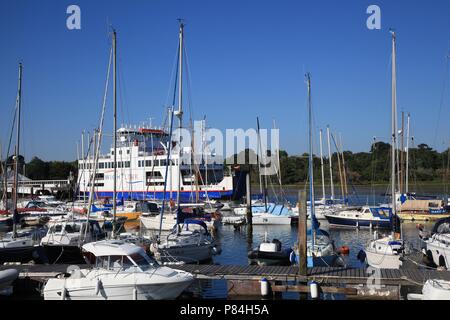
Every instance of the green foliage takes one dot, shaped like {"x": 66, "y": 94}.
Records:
{"x": 38, "y": 169}
{"x": 425, "y": 164}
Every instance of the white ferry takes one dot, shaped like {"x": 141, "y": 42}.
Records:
{"x": 141, "y": 168}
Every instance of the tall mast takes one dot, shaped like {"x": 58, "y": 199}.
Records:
{"x": 179, "y": 113}
{"x": 402, "y": 155}
{"x": 278, "y": 166}
{"x": 16, "y": 160}
{"x": 344, "y": 172}
{"x": 393, "y": 126}
{"x": 330, "y": 162}
{"x": 311, "y": 170}
{"x": 259, "y": 165}
{"x": 407, "y": 157}
{"x": 114, "y": 43}
{"x": 321, "y": 166}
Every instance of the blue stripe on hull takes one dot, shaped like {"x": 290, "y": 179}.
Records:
{"x": 385, "y": 224}
{"x": 158, "y": 195}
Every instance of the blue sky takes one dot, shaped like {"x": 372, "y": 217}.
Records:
{"x": 246, "y": 59}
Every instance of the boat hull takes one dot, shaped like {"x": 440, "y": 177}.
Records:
{"x": 383, "y": 261}
{"x": 130, "y": 291}
{"x": 187, "y": 254}
{"x": 335, "y": 220}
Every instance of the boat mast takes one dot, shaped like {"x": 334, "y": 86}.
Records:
{"x": 16, "y": 158}
{"x": 321, "y": 166}
{"x": 259, "y": 165}
{"x": 179, "y": 113}
{"x": 393, "y": 126}
{"x": 344, "y": 172}
{"x": 311, "y": 172}
{"x": 330, "y": 162}
{"x": 114, "y": 43}
{"x": 407, "y": 157}
{"x": 278, "y": 166}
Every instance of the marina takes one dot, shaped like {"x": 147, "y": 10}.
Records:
{"x": 161, "y": 203}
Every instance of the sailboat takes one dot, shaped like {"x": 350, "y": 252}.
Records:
{"x": 320, "y": 248}
{"x": 388, "y": 252}
{"x": 190, "y": 240}
{"x": 65, "y": 237}
{"x": 19, "y": 246}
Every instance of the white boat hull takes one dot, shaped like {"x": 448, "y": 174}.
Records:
{"x": 75, "y": 290}
{"x": 383, "y": 260}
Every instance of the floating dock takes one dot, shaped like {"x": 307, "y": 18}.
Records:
{"x": 365, "y": 283}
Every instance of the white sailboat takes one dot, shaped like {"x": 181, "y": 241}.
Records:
{"x": 320, "y": 248}
{"x": 433, "y": 289}
{"x": 388, "y": 252}
{"x": 18, "y": 246}
{"x": 118, "y": 271}
{"x": 184, "y": 244}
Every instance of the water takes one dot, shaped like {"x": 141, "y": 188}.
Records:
{"x": 235, "y": 244}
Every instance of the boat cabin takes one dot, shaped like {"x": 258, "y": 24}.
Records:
{"x": 117, "y": 255}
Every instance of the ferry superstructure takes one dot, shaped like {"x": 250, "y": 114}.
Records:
{"x": 141, "y": 167}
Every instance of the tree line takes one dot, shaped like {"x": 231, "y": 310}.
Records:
{"x": 425, "y": 164}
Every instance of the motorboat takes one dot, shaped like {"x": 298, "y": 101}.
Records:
{"x": 376, "y": 217}
{"x": 435, "y": 243}
{"x": 186, "y": 244}
{"x": 270, "y": 253}
{"x": 433, "y": 289}
{"x": 118, "y": 270}
{"x": 63, "y": 241}
{"x": 23, "y": 246}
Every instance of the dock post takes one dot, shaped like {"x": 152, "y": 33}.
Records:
{"x": 302, "y": 233}
{"x": 249, "y": 212}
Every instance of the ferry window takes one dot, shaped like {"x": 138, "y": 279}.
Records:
{"x": 120, "y": 151}
{"x": 162, "y": 162}
{"x": 112, "y": 152}
{"x": 156, "y": 164}
{"x": 128, "y": 151}
{"x": 101, "y": 165}
{"x": 148, "y": 163}
{"x": 127, "y": 164}
{"x": 119, "y": 164}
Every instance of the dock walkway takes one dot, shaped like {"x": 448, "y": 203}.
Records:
{"x": 324, "y": 275}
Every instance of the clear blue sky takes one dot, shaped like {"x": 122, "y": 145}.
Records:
{"x": 246, "y": 58}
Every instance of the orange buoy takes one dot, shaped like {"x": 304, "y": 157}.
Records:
{"x": 344, "y": 250}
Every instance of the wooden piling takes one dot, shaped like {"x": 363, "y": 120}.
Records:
{"x": 302, "y": 233}
{"x": 249, "y": 200}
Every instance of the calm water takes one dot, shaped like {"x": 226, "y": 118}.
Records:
{"x": 235, "y": 244}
